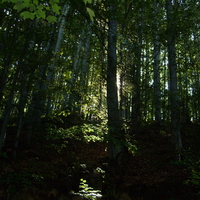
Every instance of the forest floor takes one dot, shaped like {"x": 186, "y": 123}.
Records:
{"x": 53, "y": 169}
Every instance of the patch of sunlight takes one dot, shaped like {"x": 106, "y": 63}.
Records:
{"x": 87, "y": 192}
{"x": 93, "y": 138}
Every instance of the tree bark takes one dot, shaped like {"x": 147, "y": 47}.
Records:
{"x": 156, "y": 68}
{"x": 136, "y": 98}
{"x": 51, "y": 72}
{"x": 114, "y": 124}
{"x": 174, "y": 98}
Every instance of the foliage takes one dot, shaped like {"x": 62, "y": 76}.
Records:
{"x": 193, "y": 167}
{"x": 15, "y": 182}
{"x": 86, "y": 191}
{"x": 194, "y": 178}
{"x": 44, "y": 74}
{"x": 33, "y": 8}
{"x": 48, "y": 10}
{"x": 85, "y": 132}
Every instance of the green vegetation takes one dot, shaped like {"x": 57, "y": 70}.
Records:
{"x": 99, "y": 95}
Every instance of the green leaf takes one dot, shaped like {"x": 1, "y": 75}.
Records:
{"x": 51, "y": 19}
{"x": 35, "y": 2}
{"x": 32, "y": 7}
{"x": 13, "y": 1}
{"x": 87, "y": 1}
{"x": 56, "y": 8}
{"x": 52, "y": 2}
{"x": 40, "y": 7}
{"x": 27, "y": 15}
{"x": 26, "y": 4}
{"x": 91, "y": 14}
{"x": 19, "y": 6}
{"x": 40, "y": 14}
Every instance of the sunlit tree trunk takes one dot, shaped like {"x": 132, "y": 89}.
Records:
{"x": 51, "y": 73}
{"x": 114, "y": 124}
{"x": 73, "y": 98}
{"x": 41, "y": 100}
{"x": 102, "y": 81}
{"x": 174, "y": 98}
{"x": 84, "y": 67}
{"x": 146, "y": 87}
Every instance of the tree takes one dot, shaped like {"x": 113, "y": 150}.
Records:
{"x": 174, "y": 99}
{"x": 114, "y": 123}
{"x": 156, "y": 69}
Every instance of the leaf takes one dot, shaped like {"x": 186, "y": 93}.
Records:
{"x": 13, "y": 1}
{"x": 52, "y": 2}
{"x": 40, "y": 14}
{"x": 27, "y": 15}
{"x": 26, "y": 4}
{"x": 19, "y": 6}
{"x": 91, "y": 14}
{"x": 32, "y": 7}
{"x": 56, "y": 8}
{"x": 87, "y": 1}
{"x": 35, "y": 2}
{"x": 51, "y": 19}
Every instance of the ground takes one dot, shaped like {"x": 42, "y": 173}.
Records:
{"x": 52, "y": 169}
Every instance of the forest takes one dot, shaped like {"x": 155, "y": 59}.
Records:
{"x": 99, "y": 99}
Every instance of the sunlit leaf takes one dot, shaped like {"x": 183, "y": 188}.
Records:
{"x": 52, "y": 2}
{"x": 56, "y": 8}
{"x": 28, "y": 15}
{"x": 40, "y": 14}
{"x": 91, "y": 14}
{"x": 51, "y": 19}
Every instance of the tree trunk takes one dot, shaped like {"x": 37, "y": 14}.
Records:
{"x": 114, "y": 124}
{"x": 51, "y": 72}
{"x": 156, "y": 69}
{"x": 21, "y": 106}
{"x": 136, "y": 100}
{"x": 174, "y": 98}
{"x": 16, "y": 79}
{"x": 73, "y": 98}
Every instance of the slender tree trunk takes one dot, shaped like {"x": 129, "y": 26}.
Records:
{"x": 37, "y": 107}
{"x": 136, "y": 100}
{"x": 74, "y": 96}
{"x": 114, "y": 124}
{"x": 174, "y": 98}
{"x": 156, "y": 69}
{"x": 7, "y": 54}
{"x": 7, "y": 110}
{"x": 51, "y": 72}
{"x": 21, "y": 106}
{"x": 115, "y": 135}
{"x": 16, "y": 78}
{"x": 84, "y": 69}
